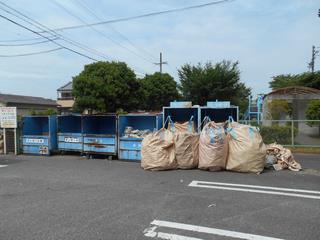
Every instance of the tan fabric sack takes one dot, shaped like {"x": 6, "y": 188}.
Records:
{"x": 186, "y": 148}
{"x": 247, "y": 151}
{"x": 213, "y": 147}
{"x": 157, "y": 151}
{"x": 184, "y": 127}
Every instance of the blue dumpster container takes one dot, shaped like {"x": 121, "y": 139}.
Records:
{"x": 70, "y": 137}
{"x": 100, "y": 134}
{"x": 159, "y": 121}
{"x": 39, "y": 135}
{"x": 219, "y": 114}
{"x": 130, "y": 147}
{"x": 182, "y": 114}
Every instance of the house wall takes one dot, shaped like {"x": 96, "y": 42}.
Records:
{"x": 25, "y": 109}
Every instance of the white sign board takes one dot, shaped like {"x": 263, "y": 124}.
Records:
{"x": 8, "y": 117}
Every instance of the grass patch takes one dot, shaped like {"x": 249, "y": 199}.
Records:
{"x": 313, "y": 150}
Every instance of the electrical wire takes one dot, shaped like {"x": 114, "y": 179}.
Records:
{"x": 124, "y": 19}
{"x": 22, "y": 26}
{"x": 33, "y": 53}
{"x": 21, "y": 40}
{"x": 26, "y": 44}
{"x": 85, "y": 6}
{"x": 99, "y": 32}
{"x": 52, "y": 32}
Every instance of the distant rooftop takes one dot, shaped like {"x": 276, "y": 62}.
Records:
{"x": 10, "y": 98}
{"x": 66, "y": 87}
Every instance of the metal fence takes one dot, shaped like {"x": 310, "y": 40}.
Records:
{"x": 296, "y": 133}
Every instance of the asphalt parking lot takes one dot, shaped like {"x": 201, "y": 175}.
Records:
{"x": 70, "y": 197}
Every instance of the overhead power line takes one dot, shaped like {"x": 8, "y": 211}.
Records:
{"x": 26, "y": 44}
{"x": 124, "y": 19}
{"x": 33, "y": 53}
{"x": 99, "y": 32}
{"x": 22, "y": 26}
{"x": 92, "y": 12}
{"x": 45, "y": 29}
{"x": 21, "y": 40}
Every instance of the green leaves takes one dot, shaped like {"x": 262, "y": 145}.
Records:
{"x": 106, "y": 87}
{"x": 313, "y": 112}
{"x": 158, "y": 90}
{"x": 221, "y": 81}
{"x": 306, "y": 79}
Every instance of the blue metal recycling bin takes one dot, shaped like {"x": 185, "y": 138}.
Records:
{"x": 130, "y": 147}
{"x": 39, "y": 135}
{"x": 182, "y": 114}
{"x": 70, "y": 137}
{"x": 219, "y": 114}
{"x": 100, "y": 134}
{"x": 159, "y": 120}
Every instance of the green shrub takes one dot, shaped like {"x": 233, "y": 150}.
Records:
{"x": 279, "y": 134}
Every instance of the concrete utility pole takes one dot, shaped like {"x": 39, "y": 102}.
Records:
{"x": 161, "y": 63}
{"x": 313, "y": 57}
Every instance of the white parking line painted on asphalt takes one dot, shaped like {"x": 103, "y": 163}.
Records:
{"x": 254, "y": 189}
{"x": 151, "y": 232}
{"x": 1, "y": 166}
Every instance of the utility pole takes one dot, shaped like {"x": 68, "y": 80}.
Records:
{"x": 313, "y": 57}
{"x": 161, "y": 63}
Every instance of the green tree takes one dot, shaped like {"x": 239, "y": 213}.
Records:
{"x": 210, "y": 82}
{"x": 306, "y": 79}
{"x": 279, "y": 107}
{"x": 106, "y": 87}
{"x": 158, "y": 90}
{"x": 313, "y": 113}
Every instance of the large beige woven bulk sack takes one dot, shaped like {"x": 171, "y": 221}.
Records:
{"x": 157, "y": 151}
{"x": 247, "y": 151}
{"x": 186, "y": 145}
{"x": 213, "y": 147}
{"x": 183, "y": 127}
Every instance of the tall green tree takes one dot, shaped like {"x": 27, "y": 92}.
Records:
{"x": 213, "y": 81}
{"x": 106, "y": 87}
{"x": 158, "y": 90}
{"x": 306, "y": 79}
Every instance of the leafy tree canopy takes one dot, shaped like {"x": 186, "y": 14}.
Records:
{"x": 213, "y": 81}
{"x": 158, "y": 90}
{"x": 306, "y": 79}
{"x": 106, "y": 87}
{"x": 313, "y": 111}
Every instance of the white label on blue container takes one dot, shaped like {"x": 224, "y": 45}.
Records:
{"x": 34, "y": 140}
{"x": 71, "y": 140}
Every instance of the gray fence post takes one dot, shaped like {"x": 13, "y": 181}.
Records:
{"x": 292, "y": 133}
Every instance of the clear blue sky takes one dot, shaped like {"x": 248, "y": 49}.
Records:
{"x": 267, "y": 37}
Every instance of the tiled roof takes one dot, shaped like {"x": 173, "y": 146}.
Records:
{"x": 10, "y": 98}
{"x": 67, "y": 87}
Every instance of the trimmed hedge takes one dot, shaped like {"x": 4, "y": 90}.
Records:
{"x": 279, "y": 134}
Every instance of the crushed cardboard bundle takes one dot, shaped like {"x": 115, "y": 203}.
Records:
{"x": 282, "y": 158}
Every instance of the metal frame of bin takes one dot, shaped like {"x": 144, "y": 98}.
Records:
{"x": 182, "y": 114}
{"x": 130, "y": 148}
{"x": 39, "y": 135}
{"x": 70, "y": 137}
{"x": 100, "y": 134}
{"x": 219, "y": 114}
